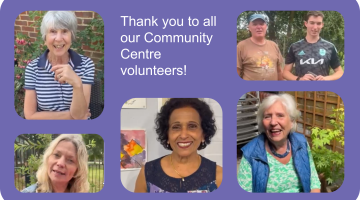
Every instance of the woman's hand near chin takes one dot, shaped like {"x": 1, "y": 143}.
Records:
{"x": 81, "y": 93}
{"x": 65, "y": 74}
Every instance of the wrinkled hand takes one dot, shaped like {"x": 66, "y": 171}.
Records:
{"x": 65, "y": 74}
{"x": 308, "y": 77}
{"x": 320, "y": 78}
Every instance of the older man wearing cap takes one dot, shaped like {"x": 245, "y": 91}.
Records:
{"x": 258, "y": 58}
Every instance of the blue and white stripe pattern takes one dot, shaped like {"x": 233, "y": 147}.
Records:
{"x": 51, "y": 95}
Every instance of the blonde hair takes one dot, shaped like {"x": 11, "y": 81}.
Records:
{"x": 79, "y": 183}
{"x": 287, "y": 100}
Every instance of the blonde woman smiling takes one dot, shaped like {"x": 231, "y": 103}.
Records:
{"x": 64, "y": 167}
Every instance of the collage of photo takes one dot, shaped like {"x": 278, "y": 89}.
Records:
{"x": 286, "y": 141}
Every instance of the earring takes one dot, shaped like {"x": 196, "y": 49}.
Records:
{"x": 167, "y": 145}
{"x": 203, "y": 143}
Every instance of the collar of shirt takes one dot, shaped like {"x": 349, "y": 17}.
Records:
{"x": 75, "y": 60}
{"x": 312, "y": 43}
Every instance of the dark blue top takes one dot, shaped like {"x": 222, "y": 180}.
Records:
{"x": 202, "y": 180}
{"x": 313, "y": 57}
{"x": 255, "y": 153}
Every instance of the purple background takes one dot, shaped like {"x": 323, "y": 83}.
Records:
{"x": 211, "y": 73}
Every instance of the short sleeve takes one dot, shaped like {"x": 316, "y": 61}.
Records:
{"x": 290, "y": 57}
{"x": 334, "y": 62}
{"x": 239, "y": 60}
{"x": 30, "y": 76}
{"x": 315, "y": 182}
{"x": 88, "y": 77}
{"x": 244, "y": 175}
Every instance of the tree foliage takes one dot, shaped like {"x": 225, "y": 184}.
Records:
{"x": 329, "y": 162}
{"x": 96, "y": 152}
{"x": 33, "y": 141}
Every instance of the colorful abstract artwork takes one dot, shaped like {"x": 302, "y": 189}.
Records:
{"x": 133, "y": 149}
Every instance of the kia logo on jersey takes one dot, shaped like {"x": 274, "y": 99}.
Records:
{"x": 311, "y": 61}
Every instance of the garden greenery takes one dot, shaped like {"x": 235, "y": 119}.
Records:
{"x": 328, "y": 162}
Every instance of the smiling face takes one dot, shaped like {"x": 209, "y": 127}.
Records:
{"x": 277, "y": 122}
{"x": 258, "y": 28}
{"x": 185, "y": 132}
{"x": 314, "y": 25}
{"x": 62, "y": 163}
{"x": 58, "y": 42}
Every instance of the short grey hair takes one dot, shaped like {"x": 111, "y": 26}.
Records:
{"x": 287, "y": 100}
{"x": 59, "y": 20}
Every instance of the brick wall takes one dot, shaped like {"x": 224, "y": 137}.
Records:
{"x": 23, "y": 25}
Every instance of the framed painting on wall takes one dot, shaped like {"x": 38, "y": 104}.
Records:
{"x": 132, "y": 149}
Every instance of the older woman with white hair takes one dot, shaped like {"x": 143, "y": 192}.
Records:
{"x": 58, "y": 83}
{"x": 278, "y": 160}
{"x": 64, "y": 167}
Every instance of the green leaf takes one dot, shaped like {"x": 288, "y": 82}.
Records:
{"x": 329, "y": 181}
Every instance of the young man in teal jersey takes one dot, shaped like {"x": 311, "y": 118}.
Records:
{"x": 312, "y": 56}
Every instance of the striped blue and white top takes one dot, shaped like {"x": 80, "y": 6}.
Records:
{"x": 51, "y": 95}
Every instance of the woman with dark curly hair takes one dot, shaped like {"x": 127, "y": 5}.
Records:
{"x": 184, "y": 126}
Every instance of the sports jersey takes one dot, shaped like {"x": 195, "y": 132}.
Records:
{"x": 316, "y": 57}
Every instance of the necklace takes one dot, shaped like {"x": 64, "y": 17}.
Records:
{"x": 172, "y": 164}
{"x": 280, "y": 155}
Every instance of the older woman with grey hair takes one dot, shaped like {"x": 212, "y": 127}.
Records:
{"x": 278, "y": 160}
{"x": 58, "y": 83}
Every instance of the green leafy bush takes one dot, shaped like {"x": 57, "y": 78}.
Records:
{"x": 328, "y": 162}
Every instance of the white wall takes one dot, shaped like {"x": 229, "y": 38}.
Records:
{"x": 144, "y": 119}
{"x": 214, "y": 150}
